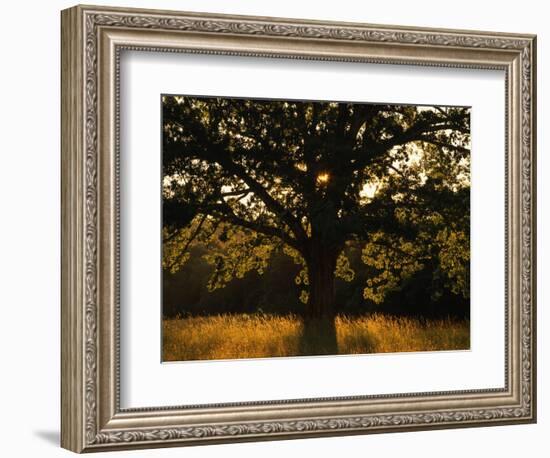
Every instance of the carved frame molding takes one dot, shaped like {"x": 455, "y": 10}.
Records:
{"x": 92, "y": 39}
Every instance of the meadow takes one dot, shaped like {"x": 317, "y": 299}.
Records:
{"x": 232, "y": 336}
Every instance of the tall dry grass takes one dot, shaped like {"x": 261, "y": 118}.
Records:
{"x": 261, "y": 336}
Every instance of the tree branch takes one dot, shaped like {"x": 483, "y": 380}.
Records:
{"x": 189, "y": 241}
{"x": 237, "y": 192}
{"x": 458, "y": 148}
{"x": 264, "y": 195}
{"x": 229, "y": 216}
{"x": 415, "y": 133}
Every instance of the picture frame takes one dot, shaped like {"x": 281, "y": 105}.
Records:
{"x": 93, "y": 39}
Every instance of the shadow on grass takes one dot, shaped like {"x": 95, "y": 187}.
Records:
{"x": 318, "y": 338}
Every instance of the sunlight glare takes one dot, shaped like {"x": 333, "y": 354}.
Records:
{"x": 323, "y": 178}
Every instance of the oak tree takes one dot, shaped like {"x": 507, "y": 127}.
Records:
{"x": 247, "y": 177}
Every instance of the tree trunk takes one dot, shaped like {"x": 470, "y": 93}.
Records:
{"x": 319, "y": 332}
{"x": 321, "y": 265}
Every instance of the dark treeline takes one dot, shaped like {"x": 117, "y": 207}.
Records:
{"x": 275, "y": 292}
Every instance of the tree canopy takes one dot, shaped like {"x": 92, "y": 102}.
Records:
{"x": 248, "y": 178}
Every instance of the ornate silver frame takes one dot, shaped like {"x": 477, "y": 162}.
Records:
{"x": 92, "y": 38}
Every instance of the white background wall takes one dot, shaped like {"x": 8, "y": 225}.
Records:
{"x": 29, "y": 241}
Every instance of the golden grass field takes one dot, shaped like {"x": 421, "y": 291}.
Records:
{"x": 261, "y": 336}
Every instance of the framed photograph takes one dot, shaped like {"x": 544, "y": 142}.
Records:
{"x": 278, "y": 228}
